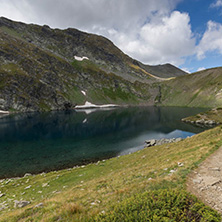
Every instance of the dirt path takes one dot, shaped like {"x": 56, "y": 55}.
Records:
{"x": 206, "y": 181}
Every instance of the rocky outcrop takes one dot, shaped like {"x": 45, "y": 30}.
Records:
{"x": 202, "y": 122}
{"x": 209, "y": 118}
{"x": 20, "y": 204}
{"x": 153, "y": 142}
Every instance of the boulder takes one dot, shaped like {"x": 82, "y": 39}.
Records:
{"x": 162, "y": 141}
{"x": 20, "y": 204}
{"x": 27, "y": 175}
{"x": 150, "y": 142}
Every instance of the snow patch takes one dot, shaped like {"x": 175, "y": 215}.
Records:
{"x": 80, "y": 58}
{"x": 89, "y": 105}
{"x": 200, "y": 69}
{"x": 83, "y": 92}
{"x": 4, "y": 112}
{"x": 84, "y": 121}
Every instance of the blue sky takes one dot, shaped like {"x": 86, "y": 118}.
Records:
{"x": 185, "y": 33}
{"x": 201, "y": 12}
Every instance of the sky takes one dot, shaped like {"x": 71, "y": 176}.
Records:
{"x": 185, "y": 33}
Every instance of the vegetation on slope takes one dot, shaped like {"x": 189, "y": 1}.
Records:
{"x": 38, "y": 70}
{"x": 82, "y": 193}
{"x": 201, "y": 89}
{"x": 161, "y": 205}
{"x": 71, "y": 42}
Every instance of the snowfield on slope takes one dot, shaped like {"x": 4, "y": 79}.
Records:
{"x": 89, "y": 105}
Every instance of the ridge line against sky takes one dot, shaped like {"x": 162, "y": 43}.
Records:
{"x": 185, "y": 33}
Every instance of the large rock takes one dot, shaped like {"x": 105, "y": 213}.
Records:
{"x": 150, "y": 143}
{"x": 162, "y": 141}
{"x": 20, "y": 204}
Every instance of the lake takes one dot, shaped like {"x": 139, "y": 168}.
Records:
{"x": 42, "y": 142}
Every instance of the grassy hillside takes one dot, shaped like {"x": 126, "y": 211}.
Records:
{"x": 93, "y": 191}
{"x": 35, "y": 79}
{"x": 72, "y": 42}
{"x": 201, "y": 89}
{"x": 38, "y": 70}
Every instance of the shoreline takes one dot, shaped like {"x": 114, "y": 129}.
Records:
{"x": 136, "y": 172}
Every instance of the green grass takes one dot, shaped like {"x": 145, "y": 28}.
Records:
{"x": 11, "y": 32}
{"x": 161, "y": 205}
{"x": 82, "y": 193}
{"x": 202, "y": 89}
{"x": 12, "y": 69}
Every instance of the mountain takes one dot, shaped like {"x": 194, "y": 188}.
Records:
{"x": 200, "y": 89}
{"x": 48, "y": 69}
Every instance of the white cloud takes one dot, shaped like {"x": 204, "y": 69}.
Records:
{"x": 85, "y": 14}
{"x": 211, "y": 40}
{"x": 19, "y": 12}
{"x": 216, "y": 4}
{"x": 167, "y": 40}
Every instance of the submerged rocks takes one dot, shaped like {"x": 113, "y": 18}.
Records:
{"x": 162, "y": 141}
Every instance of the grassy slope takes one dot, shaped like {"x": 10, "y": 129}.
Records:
{"x": 202, "y": 89}
{"x": 81, "y": 193}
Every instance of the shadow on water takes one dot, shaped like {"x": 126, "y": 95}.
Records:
{"x": 37, "y": 142}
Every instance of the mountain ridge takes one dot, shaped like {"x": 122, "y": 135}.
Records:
{"x": 39, "y": 71}
{"x": 84, "y": 44}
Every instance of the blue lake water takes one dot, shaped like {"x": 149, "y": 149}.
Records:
{"x": 37, "y": 142}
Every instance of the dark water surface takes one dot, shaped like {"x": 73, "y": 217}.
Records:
{"x": 37, "y": 142}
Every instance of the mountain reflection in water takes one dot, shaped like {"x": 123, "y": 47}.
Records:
{"x": 37, "y": 142}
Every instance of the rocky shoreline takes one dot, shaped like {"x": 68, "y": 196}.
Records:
{"x": 154, "y": 142}
{"x": 202, "y": 122}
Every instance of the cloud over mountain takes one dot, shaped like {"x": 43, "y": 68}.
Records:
{"x": 151, "y": 31}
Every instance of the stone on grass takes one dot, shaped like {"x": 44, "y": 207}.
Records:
{"x": 20, "y": 204}
{"x": 45, "y": 184}
{"x": 27, "y": 175}
{"x": 39, "y": 205}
